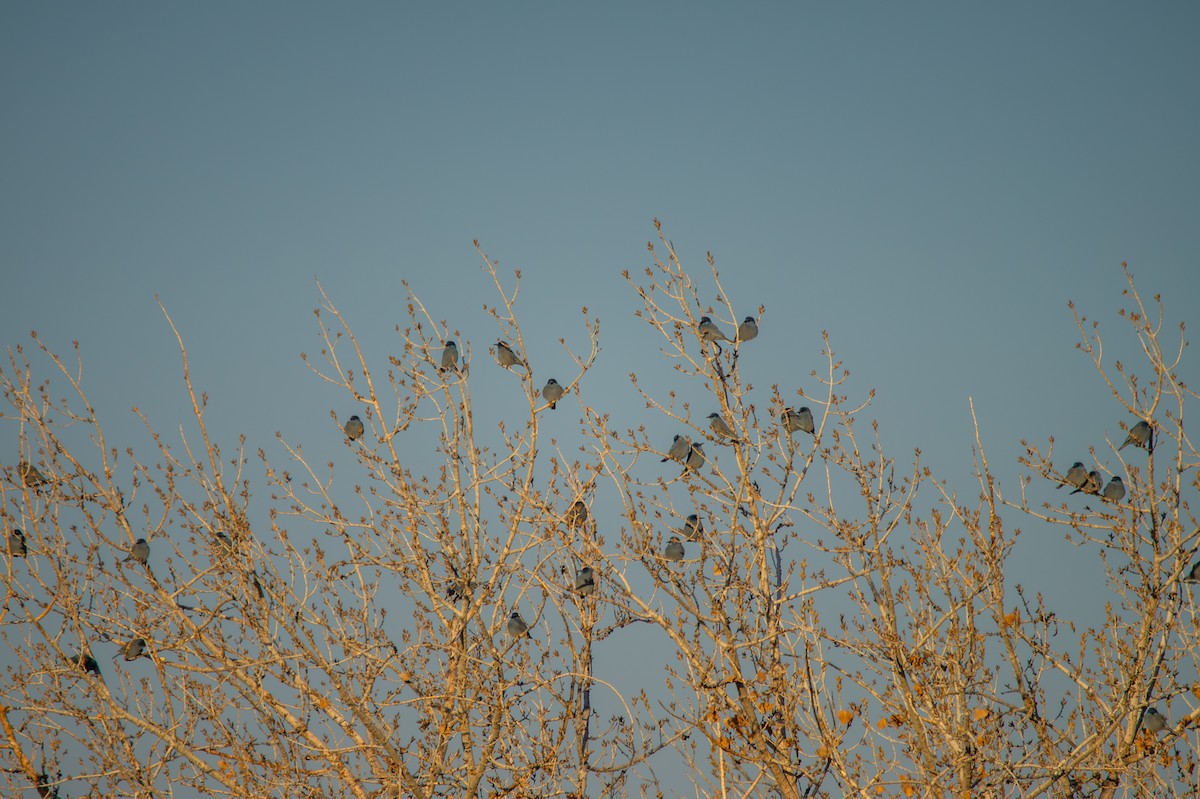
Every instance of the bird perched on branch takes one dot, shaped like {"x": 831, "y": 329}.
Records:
{"x": 449, "y": 357}
{"x": 31, "y": 476}
{"x": 674, "y": 549}
{"x": 1193, "y": 575}
{"x": 748, "y": 329}
{"x": 135, "y": 649}
{"x": 354, "y": 428}
{"x": 709, "y": 331}
{"x": 693, "y": 528}
{"x": 85, "y": 661}
{"x": 222, "y": 546}
{"x": 577, "y": 514}
{"x": 1091, "y": 485}
{"x": 799, "y": 419}
{"x": 1076, "y": 476}
{"x": 16, "y": 544}
{"x": 140, "y": 551}
{"x": 1115, "y": 490}
{"x": 1153, "y": 720}
{"x": 552, "y": 392}
{"x": 680, "y": 446}
{"x": 695, "y": 458}
{"x": 721, "y": 428}
{"x": 517, "y": 626}
{"x": 506, "y": 357}
{"x": 1139, "y": 435}
{"x": 585, "y": 581}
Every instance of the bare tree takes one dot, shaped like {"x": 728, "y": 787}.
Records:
{"x": 840, "y": 621}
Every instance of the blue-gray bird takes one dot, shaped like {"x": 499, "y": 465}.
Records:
{"x": 16, "y": 544}
{"x": 674, "y": 549}
{"x": 354, "y": 428}
{"x": 135, "y": 649}
{"x": 721, "y": 428}
{"x": 552, "y": 392}
{"x": 1153, "y": 720}
{"x": 799, "y": 419}
{"x": 517, "y": 626}
{"x": 695, "y": 458}
{"x": 709, "y": 331}
{"x": 577, "y": 514}
{"x": 85, "y": 661}
{"x": 221, "y": 544}
{"x": 1115, "y": 490}
{"x": 31, "y": 476}
{"x": 1091, "y": 485}
{"x": 1139, "y": 436}
{"x": 1193, "y": 576}
{"x": 1076, "y": 476}
{"x": 585, "y": 581}
{"x": 506, "y": 357}
{"x": 140, "y": 551}
{"x": 256, "y": 584}
{"x": 460, "y": 589}
{"x": 748, "y": 329}
{"x": 680, "y": 446}
{"x": 449, "y": 357}
{"x": 693, "y": 528}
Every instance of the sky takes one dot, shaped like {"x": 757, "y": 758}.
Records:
{"x": 930, "y": 183}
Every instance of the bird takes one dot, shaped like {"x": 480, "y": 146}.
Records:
{"x": 1076, "y": 476}
{"x": 693, "y": 528}
{"x": 695, "y": 458}
{"x": 1193, "y": 576}
{"x": 674, "y": 549}
{"x": 460, "y": 589}
{"x": 221, "y": 544}
{"x": 354, "y": 428}
{"x": 1153, "y": 720}
{"x": 585, "y": 581}
{"x": 140, "y": 551}
{"x": 577, "y": 514}
{"x": 799, "y": 419}
{"x": 552, "y": 392}
{"x": 1139, "y": 436}
{"x": 748, "y": 329}
{"x": 85, "y": 661}
{"x": 678, "y": 450}
{"x": 256, "y": 584}
{"x": 16, "y": 544}
{"x": 1091, "y": 485}
{"x": 1115, "y": 490}
{"x": 517, "y": 626}
{"x": 721, "y": 428}
{"x": 709, "y": 331}
{"x": 31, "y": 476}
{"x": 506, "y": 357}
{"x": 135, "y": 649}
{"x": 449, "y": 356}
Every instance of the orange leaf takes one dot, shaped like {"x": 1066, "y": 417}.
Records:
{"x": 845, "y": 716}
{"x": 981, "y": 713}
{"x": 881, "y": 723}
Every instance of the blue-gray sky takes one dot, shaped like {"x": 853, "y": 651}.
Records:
{"x": 929, "y": 182}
